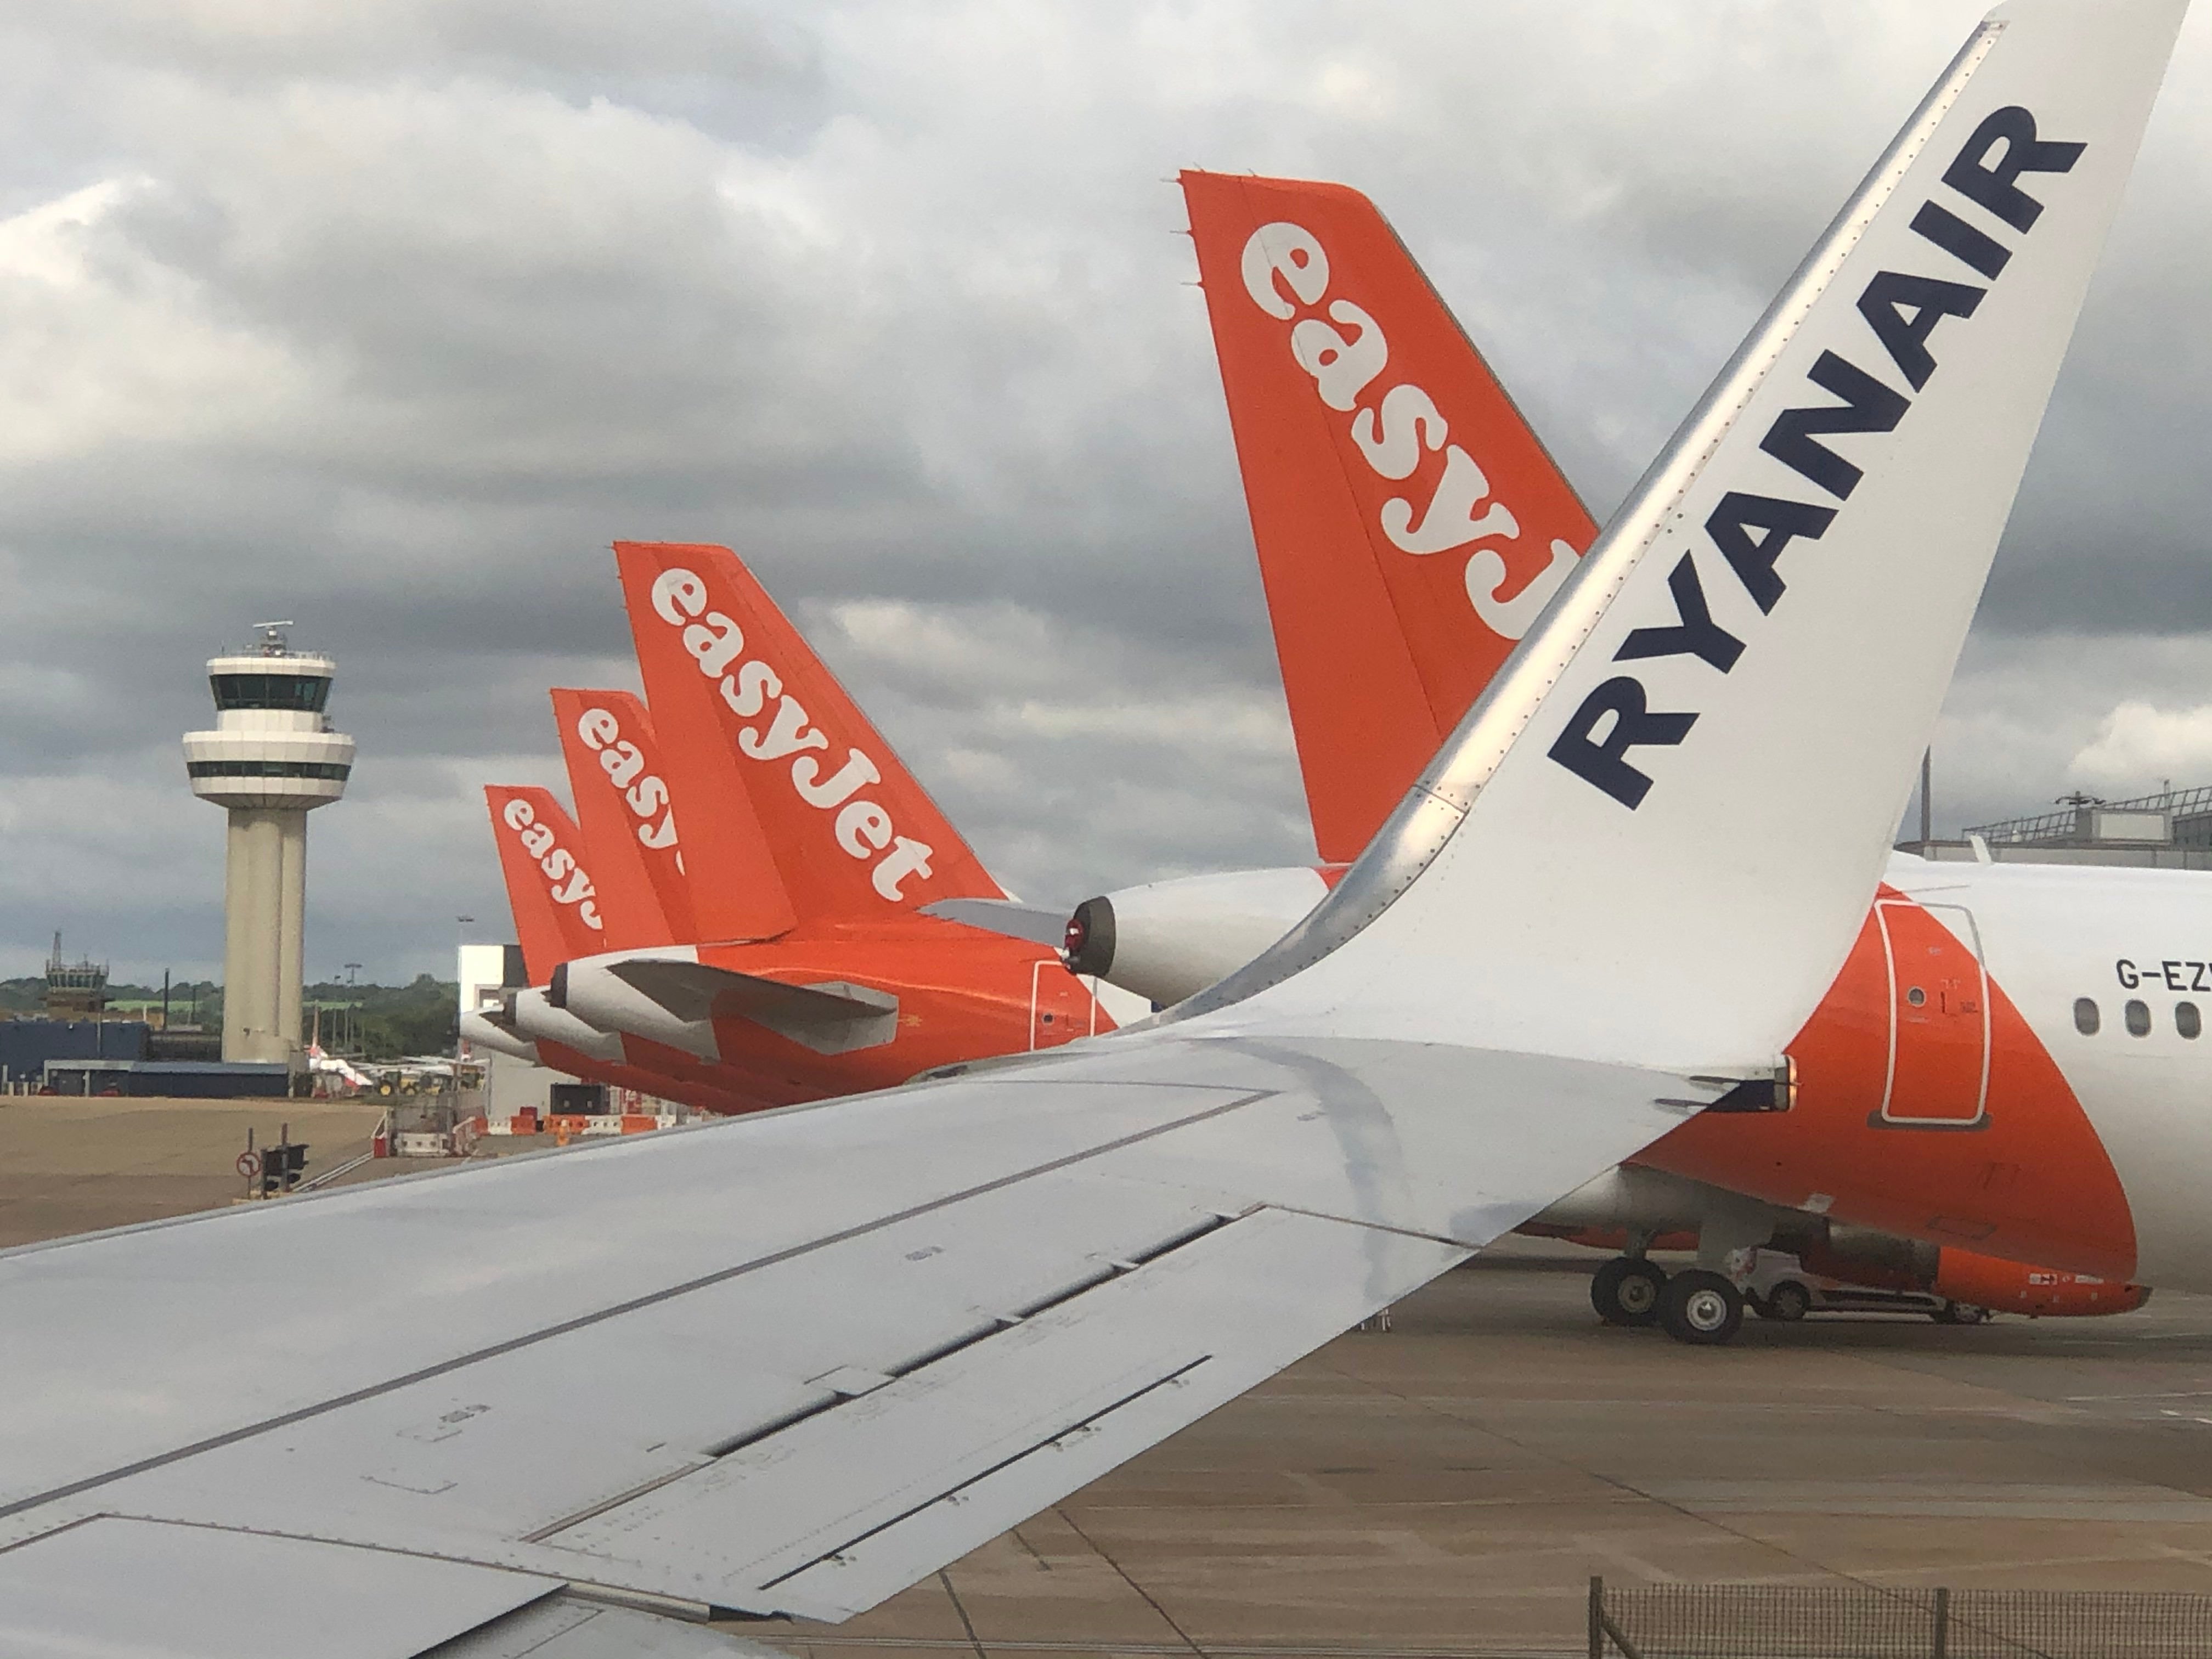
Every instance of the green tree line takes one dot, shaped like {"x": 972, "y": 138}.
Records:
{"x": 380, "y": 1022}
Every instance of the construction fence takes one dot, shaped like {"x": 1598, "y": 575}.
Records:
{"x": 1858, "y": 1621}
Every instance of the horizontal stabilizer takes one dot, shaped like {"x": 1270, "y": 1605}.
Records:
{"x": 1036, "y": 923}
{"x": 829, "y": 1016}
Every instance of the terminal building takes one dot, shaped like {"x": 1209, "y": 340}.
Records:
{"x": 2171, "y": 829}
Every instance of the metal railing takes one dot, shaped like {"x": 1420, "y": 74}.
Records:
{"x": 2061, "y": 825}
{"x": 1865, "y": 1622}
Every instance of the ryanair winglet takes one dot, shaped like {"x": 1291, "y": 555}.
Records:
{"x": 1657, "y": 834}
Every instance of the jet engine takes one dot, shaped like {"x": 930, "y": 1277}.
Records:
{"x": 1168, "y": 939}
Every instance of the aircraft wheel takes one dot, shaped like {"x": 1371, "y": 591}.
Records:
{"x": 1788, "y": 1302}
{"x": 1701, "y": 1307}
{"x": 1960, "y": 1313}
{"x": 1626, "y": 1291}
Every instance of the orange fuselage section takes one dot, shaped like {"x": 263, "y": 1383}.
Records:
{"x": 1924, "y": 1106}
{"x": 964, "y": 995}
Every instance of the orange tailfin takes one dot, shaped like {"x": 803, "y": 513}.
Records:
{"x": 555, "y": 904}
{"x": 626, "y": 806}
{"x": 1409, "y": 524}
{"x": 855, "y": 835}
{"x": 736, "y": 884}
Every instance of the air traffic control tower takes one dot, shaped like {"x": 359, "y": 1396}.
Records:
{"x": 271, "y": 759}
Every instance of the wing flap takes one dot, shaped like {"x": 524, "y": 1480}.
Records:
{"x": 567, "y": 1628}
{"x": 844, "y": 1509}
{"x": 113, "y": 1585}
{"x": 886, "y": 1352}
{"x": 669, "y": 1387}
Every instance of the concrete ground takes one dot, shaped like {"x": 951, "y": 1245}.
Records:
{"x": 1447, "y": 1487}
{"x": 70, "y": 1164}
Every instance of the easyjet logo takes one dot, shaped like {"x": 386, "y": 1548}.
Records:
{"x": 565, "y": 877}
{"x": 862, "y": 827}
{"x": 1748, "y": 533}
{"x": 1286, "y": 272}
{"x": 641, "y": 791}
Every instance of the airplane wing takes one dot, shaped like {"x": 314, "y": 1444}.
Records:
{"x": 791, "y": 1362}
{"x": 830, "y": 1017}
{"x": 794, "y": 1362}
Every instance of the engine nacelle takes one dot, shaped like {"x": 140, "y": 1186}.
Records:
{"x": 1170, "y": 939}
{"x": 537, "y": 1019}
{"x": 1861, "y": 1255}
{"x": 1627, "y": 1200}
{"x": 481, "y": 1032}
{"x": 2008, "y": 1287}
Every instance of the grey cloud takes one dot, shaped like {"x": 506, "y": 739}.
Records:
{"x": 390, "y": 318}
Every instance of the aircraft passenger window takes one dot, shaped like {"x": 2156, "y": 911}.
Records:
{"x": 1915, "y": 996}
{"x": 2138, "y": 1015}
{"x": 2085, "y": 1016}
{"x": 2186, "y": 1019}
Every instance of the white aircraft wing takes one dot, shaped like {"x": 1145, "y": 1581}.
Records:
{"x": 794, "y": 1363}
{"x": 785, "y": 1363}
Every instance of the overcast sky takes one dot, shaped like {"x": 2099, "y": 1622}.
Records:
{"x": 388, "y": 318}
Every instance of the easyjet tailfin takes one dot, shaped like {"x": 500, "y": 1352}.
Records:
{"x": 734, "y": 882}
{"x": 549, "y": 888}
{"x": 734, "y": 686}
{"x": 1410, "y": 526}
{"x": 626, "y": 805}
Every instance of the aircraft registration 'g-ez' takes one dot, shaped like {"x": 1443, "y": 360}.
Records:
{"x": 878, "y": 1331}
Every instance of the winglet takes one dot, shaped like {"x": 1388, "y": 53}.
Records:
{"x": 551, "y": 893}
{"x": 853, "y": 832}
{"x": 1410, "y": 525}
{"x": 1657, "y": 834}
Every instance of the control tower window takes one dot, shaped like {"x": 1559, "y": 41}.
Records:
{"x": 305, "y": 693}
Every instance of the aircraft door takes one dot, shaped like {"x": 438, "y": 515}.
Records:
{"x": 1938, "y": 1016}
